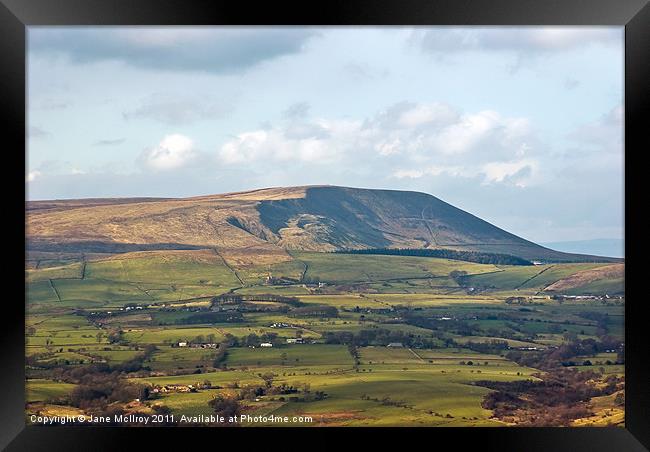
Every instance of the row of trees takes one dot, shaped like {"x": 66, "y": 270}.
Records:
{"x": 231, "y": 298}
{"x": 565, "y": 354}
{"x": 468, "y": 256}
{"x": 378, "y": 336}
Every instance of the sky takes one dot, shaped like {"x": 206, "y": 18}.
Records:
{"x": 521, "y": 126}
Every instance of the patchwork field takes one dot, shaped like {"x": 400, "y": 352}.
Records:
{"x": 330, "y": 339}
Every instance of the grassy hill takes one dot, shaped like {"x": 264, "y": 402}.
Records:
{"x": 261, "y": 225}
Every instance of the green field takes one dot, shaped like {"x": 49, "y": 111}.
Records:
{"x": 348, "y": 268}
{"x": 44, "y": 390}
{"x": 291, "y": 356}
{"x": 536, "y": 278}
{"x": 165, "y": 270}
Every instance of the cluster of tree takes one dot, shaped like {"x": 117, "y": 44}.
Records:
{"x": 228, "y": 407}
{"x": 219, "y": 359}
{"x": 560, "y": 397}
{"x": 563, "y": 355}
{"x": 468, "y": 256}
{"x": 354, "y": 352}
{"x": 116, "y": 337}
{"x": 252, "y": 392}
{"x": 491, "y": 347}
{"x": 378, "y": 336}
{"x": 231, "y": 298}
{"x": 305, "y": 394}
{"x": 96, "y": 391}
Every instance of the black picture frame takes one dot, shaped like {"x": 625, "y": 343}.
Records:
{"x": 16, "y": 15}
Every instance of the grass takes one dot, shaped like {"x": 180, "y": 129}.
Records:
{"x": 189, "y": 403}
{"x": 168, "y": 358}
{"x": 72, "y": 270}
{"x": 433, "y": 300}
{"x": 40, "y": 292}
{"x": 40, "y": 390}
{"x": 418, "y": 393}
{"x": 168, "y": 336}
{"x": 527, "y": 278}
{"x": 256, "y": 275}
{"x": 349, "y": 268}
{"x": 187, "y": 267}
{"x": 83, "y": 291}
{"x": 554, "y": 273}
{"x": 505, "y": 278}
{"x": 288, "y": 356}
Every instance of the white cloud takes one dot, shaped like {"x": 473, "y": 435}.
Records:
{"x": 405, "y": 141}
{"x": 466, "y": 133}
{"x": 281, "y": 145}
{"x": 421, "y": 114}
{"x": 519, "y": 171}
{"x": 32, "y": 175}
{"x": 426, "y": 129}
{"x": 432, "y": 171}
{"x": 562, "y": 38}
{"x": 174, "y": 151}
{"x": 515, "y": 39}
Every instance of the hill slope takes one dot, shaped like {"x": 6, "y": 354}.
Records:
{"x": 268, "y": 222}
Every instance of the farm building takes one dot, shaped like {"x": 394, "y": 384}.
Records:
{"x": 204, "y": 345}
{"x": 395, "y": 345}
{"x": 297, "y": 340}
{"x": 266, "y": 344}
